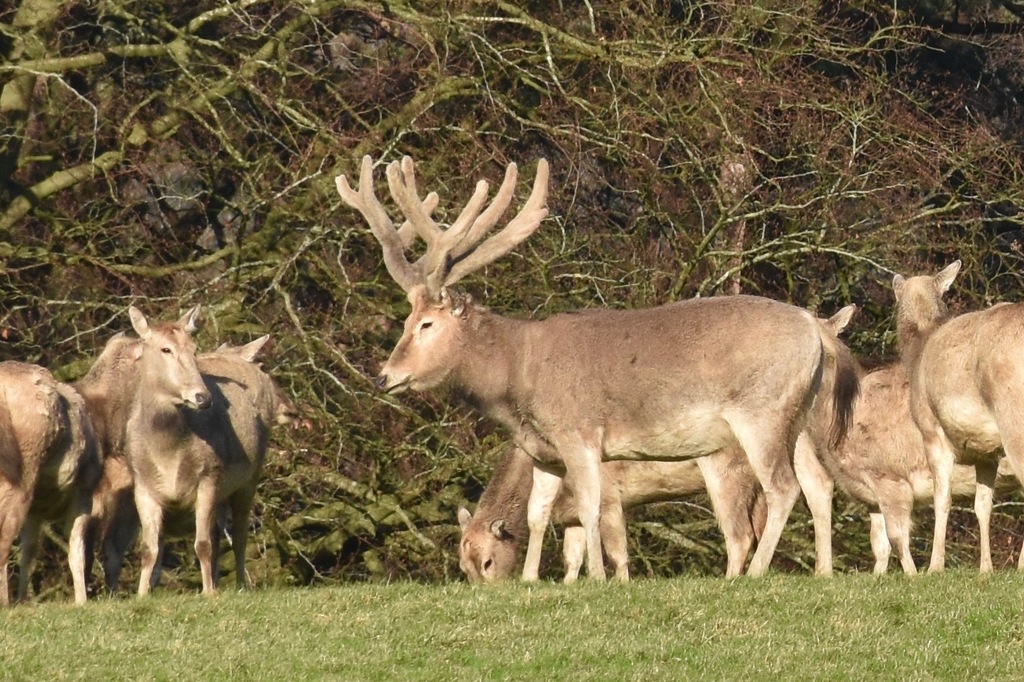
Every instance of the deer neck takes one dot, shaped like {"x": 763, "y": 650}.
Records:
{"x": 508, "y": 492}
{"x": 488, "y": 369}
{"x": 162, "y": 421}
{"x": 912, "y": 336}
{"x": 110, "y": 397}
{"x": 483, "y": 363}
{"x": 496, "y": 378}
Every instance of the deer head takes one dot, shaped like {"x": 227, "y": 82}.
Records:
{"x": 433, "y": 330}
{"x": 168, "y": 356}
{"x": 919, "y": 304}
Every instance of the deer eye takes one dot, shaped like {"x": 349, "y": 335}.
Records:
{"x": 166, "y": 349}
{"x": 426, "y": 324}
{"x": 487, "y": 564}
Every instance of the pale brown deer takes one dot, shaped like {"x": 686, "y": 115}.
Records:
{"x": 489, "y": 549}
{"x": 139, "y": 393}
{"x": 966, "y": 393}
{"x": 881, "y": 462}
{"x": 49, "y": 466}
{"x": 253, "y": 403}
{"x": 676, "y": 382}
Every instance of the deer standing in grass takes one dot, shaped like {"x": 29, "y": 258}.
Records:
{"x": 492, "y": 538}
{"x": 253, "y": 402}
{"x": 677, "y": 382}
{"x": 966, "y": 393}
{"x": 49, "y": 466}
{"x": 881, "y": 462}
{"x": 143, "y": 394}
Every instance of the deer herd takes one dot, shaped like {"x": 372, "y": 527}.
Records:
{"x": 606, "y": 410}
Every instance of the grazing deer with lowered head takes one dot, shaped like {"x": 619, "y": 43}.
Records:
{"x": 677, "y": 382}
{"x": 49, "y": 466}
{"x": 492, "y": 538}
{"x": 966, "y": 393}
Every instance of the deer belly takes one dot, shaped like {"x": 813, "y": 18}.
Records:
{"x": 970, "y": 428}
{"x": 693, "y": 435}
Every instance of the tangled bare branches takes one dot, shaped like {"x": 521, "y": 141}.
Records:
{"x": 182, "y": 153}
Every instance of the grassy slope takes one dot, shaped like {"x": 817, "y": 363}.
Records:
{"x": 957, "y": 625}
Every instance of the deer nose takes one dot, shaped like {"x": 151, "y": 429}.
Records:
{"x": 381, "y": 382}
{"x": 202, "y": 400}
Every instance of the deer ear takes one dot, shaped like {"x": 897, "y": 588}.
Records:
{"x": 499, "y": 530}
{"x": 944, "y": 279}
{"x": 139, "y": 322}
{"x": 250, "y": 350}
{"x": 897, "y": 285}
{"x": 188, "y": 320}
{"x": 454, "y": 301}
{"x": 464, "y": 518}
{"x": 841, "y": 319}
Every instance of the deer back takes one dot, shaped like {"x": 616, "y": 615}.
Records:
{"x": 252, "y": 403}
{"x": 30, "y": 415}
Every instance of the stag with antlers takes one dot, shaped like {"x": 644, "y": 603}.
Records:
{"x": 675, "y": 382}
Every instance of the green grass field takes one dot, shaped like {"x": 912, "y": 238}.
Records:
{"x": 953, "y": 626}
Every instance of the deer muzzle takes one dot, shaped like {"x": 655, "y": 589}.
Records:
{"x": 202, "y": 400}
{"x": 387, "y": 383}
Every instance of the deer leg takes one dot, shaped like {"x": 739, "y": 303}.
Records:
{"x": 880, "y": 545}
{"x": 542, "y": 498}
{"x": 206, "y": 506}
{"x": 538, "y": 512}
{"x": 941, "y": 461}
{"x": 818, "y": 488}
{"x": 29, "y": 549}
{"x": 574, "y": 547}
{"x": 896, "y": 504}
{"x": 985, "y": 475}
{"x": 615, "y": 539}
{"x": 13, "y": 507}
{"x": 770, "y": 459}
{"x": 151, "y": 523}
{"x": 583, "y": 475}
{"x": 119, "y": 535}
{"x": 730, "y": 502}
{"x": 77, "y": 547}
{"x": 241, "y": 510}
{"x": 1007, "y": 403}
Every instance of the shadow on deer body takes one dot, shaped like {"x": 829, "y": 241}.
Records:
{"x": 677, "y": 382}
{"x": 493, "y": 538}
{"x": 49, "y": 466}
{"x": 230, "y": 438}
{"x": 966, "y": 391}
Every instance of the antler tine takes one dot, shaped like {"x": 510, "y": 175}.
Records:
{"x": 465, "y": 225}
{"x": 482, "y": 223}
{"x": 407, "y": 232}
{"x": 519, "y": 228}
{"x": 365, "y": 201}
{"x": 440, "y": 242}
{"x": 402, "y": 183}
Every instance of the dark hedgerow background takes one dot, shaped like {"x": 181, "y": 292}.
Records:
{"x": 173, "y": 155}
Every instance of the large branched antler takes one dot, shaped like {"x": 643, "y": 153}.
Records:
{"x": 451, "y": 253}
{"x": 394, "y": 242}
